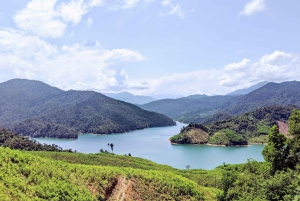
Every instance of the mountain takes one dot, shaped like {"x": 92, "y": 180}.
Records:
{"x": 285, "y": 93}
{"x": 130, "y": 98}
{"x": 190, "y": 109}
{"x": 206, "y": 109}
{"x": 36, "y": 109}
{"x": 248, "y": 90}
{"x": 236, "y": 130}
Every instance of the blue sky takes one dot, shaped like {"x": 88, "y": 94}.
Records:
{"x": 161, "y": 48}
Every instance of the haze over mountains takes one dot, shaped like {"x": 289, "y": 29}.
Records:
{"x": 248, "y": 90}
{"x": 130, "y": 98}
{"x": 201, "y": 107}
{"x": 37, "y": 109}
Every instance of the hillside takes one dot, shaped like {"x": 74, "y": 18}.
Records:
{"x": 130, "y": 98}
{"x": 236, "y": 130}
{"x": 247, "y": 90}
{"x": 205, "y": 109}
{"x": 191, "y": 134}
{"x": 39, "y": 110}
{"x": 190, "y": 109}
{"x": 255, "y": 123}
{"x": 285, "y": 93}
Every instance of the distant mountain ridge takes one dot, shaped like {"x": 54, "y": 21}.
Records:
{"x": 130, "y": 98}
{"x": 36, "y": 109}
{"x": 210, "y": 108}
{"x": 247, "y": 90}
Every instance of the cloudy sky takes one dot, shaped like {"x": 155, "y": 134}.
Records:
{"x": 161, "y": 48}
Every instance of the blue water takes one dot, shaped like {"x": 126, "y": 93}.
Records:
{"x": 153, "y": 144}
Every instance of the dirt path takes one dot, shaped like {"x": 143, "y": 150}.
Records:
{"x": 283, "y": 128}
{"x": 124, "y": 191}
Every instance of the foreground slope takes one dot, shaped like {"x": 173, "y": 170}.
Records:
{"x": 36, "y": 109}
{"x": 28, "y": 177}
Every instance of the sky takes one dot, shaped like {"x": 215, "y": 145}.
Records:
{"x": 159, "y": 48}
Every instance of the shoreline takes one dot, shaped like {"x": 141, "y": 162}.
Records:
{"x": 213, "y": 145}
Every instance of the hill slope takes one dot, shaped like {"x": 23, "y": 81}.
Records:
{"x": 247, "y": 90}
{"x": 190, "y": 109}
{"x": 236, "y": 130}
{"x": 205, "y": 109}
{"x": 36, "y": 109}
{"x": 285, "y": 93}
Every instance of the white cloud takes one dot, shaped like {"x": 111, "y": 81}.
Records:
{"x": 73, "y": 11}
{"x": 67, "y": 67}
{"x": 253, "y": 7}
{"x": 89, "y": 22}
{"x": 174, "y": 9}
{"x": 49, "y": 18}
{"x": 237, "y": 66}
{"x": 40, "y": 18}
{"x": 130, "y": 3}
{"x": 277, "y": 67}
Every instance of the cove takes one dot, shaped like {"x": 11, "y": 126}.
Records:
{"x": 153, "y": 144}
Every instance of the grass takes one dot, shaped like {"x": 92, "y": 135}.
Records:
{"x": 76, "y": 176}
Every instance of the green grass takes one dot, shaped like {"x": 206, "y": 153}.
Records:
{"x": 75, "y": 176}
{"x": 259, "y": 140}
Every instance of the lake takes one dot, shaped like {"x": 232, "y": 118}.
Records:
{"x": 153, "y": 144}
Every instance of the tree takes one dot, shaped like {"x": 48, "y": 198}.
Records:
{"x": 276, "y": 152}
{"x": 188, "y": 167}
{"x": 112, "y": 147}
{"x": 108, "y": 146}
{"x": 294, "y": 142}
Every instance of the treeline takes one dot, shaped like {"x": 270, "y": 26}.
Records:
{"x": 14, "y": 141}
{"x": 36, "y": 109}
{"x": 253, "y": 124}
{"x": 276, "y": 179}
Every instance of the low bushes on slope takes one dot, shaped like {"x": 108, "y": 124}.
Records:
{"x": 28, "y": 177}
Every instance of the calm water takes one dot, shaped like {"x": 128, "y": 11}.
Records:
{"x": 153, "y": 144}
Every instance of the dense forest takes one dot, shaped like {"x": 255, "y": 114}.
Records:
{"x": 14, "y": 141}
{"x": 205, "y": 109}
{"x": 190, "y": 109}
{"x": 237, "y": 130}
{"x": 36, "y": 109}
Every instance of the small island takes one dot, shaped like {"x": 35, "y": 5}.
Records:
{"x": 196, "y": 133}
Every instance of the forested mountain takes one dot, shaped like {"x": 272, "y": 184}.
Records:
{"x": 285, "y": 93}
{"x": 236, "y": 130}
{"x": 190, "y": 109}
{"x": 130, "y": 98}
{"x": 248, "y": 90}
{"x": 205, "y": 109}
{"x": 36, "y": 109}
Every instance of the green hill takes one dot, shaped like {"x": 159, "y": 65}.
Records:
{"x": 205, "y": 109}
{"x": 236, "y": 130}
{"x": 190, "y": 109}
{"x": 36, "y": 109}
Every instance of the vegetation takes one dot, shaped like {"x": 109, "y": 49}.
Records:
{"x": 191, "y": 134}
{"x": 206, "y": 109}
{"x": 276, "y": 179}
{"x": 14, "y": 141}
{"x": 28, "y": 177}
{"x": 227, "y": 137}
{"x": 253, "y": 124}
{"x": 38, "y": 110}
{"x": 190, "y": 109}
